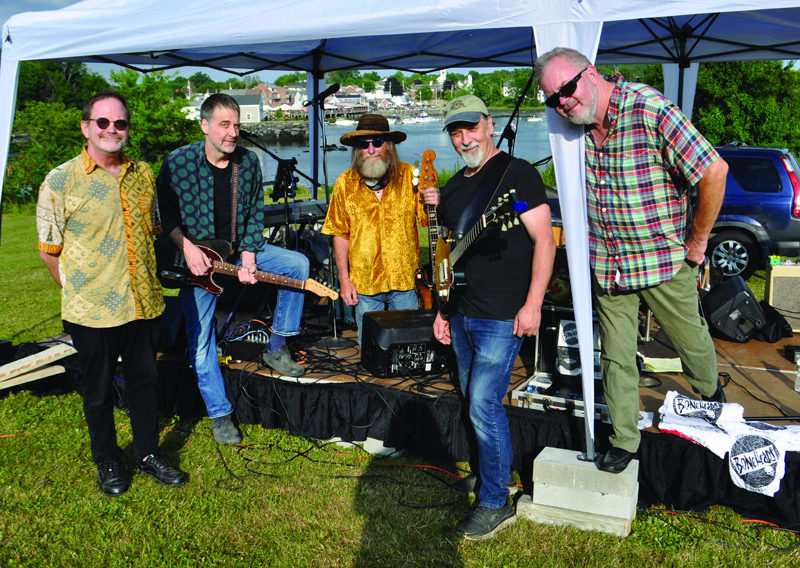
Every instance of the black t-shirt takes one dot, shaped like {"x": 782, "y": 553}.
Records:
{"x": 497, "y": 265}
{"x": 222, "y": 200}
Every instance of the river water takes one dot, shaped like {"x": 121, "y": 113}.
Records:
{"x": 532, "y": 144}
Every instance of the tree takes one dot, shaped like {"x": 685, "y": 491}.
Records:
{"x": 755, "y": 102}
{"x": 372, "y": 76}
{"x": 158, "y": 123}
{"x": 343, "y": 77}
{"x": 50, "y": 134}
{"x": 283, "y": 80}
{"x": 424, "y": 93}
{"x": 201, "y": 83}
{"x": 57, "y": 81}
{"x": 368, "y": 85}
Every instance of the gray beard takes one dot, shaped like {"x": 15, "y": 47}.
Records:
{"x": 373, "y": 169}
{"x": 473, "y": 159}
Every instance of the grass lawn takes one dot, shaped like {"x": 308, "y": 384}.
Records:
{"x": 279, "y": 500}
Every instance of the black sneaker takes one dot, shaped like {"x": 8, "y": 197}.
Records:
{"x": 158, "y": 467}
{"x": 484, "y": 523}
{"x": 111, "y": 479}
{"x": 225, "y": 431}
{"x": 282, "y": 362}
{"x": 718, "y": 396}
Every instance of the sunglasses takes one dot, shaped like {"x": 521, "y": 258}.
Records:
{"x": 567, "y": 90}
{"x": 103, "y": 123}
{"x": 364, "y": 144}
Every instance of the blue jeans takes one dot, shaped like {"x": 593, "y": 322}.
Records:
{"x": 198, "y": 309}
{"x": 392, "y": 300}
{"x": 485, "y": 351}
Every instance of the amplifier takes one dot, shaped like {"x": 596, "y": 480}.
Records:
{"x": 781, "y": 292}
{"x": 400, "y": 343}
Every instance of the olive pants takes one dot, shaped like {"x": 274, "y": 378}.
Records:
{"x": 674, "y": 304}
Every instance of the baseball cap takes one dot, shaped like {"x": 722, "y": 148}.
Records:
{"x": 468, "y": 108}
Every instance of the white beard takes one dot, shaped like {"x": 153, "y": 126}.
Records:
{"x": 474, "y": 158}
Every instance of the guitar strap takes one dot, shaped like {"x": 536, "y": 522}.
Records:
{"x": 234, "y": 203}
{"x": 484, "y": 193}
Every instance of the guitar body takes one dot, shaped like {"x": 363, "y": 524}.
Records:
{"x": 172, "y": 269}
{"x": 424, "y": 284}
{"x": 173, "y": 272}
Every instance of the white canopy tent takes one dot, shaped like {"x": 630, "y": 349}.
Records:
{"x": 243, "y": 36}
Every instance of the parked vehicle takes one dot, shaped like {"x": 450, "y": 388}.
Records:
{"x": 760, "y": 215}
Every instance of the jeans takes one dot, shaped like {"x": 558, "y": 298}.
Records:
{"x": 485, "y": 351}
{"x": 392, "y": 300}
{"x": 98, "y": 351}
{"x": 198, "y": 309}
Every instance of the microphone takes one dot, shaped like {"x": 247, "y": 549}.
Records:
{"x": 323, "y": 95}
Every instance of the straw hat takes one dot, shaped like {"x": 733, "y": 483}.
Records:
{"x": 372, "y": 126}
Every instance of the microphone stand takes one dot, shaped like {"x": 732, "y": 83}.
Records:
{"x": 334, "y": 342}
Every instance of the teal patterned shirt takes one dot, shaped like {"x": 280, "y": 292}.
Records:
{"x": 185, "y": 188}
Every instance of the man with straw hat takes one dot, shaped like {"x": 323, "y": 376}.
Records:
{"x": 373, "y": 218}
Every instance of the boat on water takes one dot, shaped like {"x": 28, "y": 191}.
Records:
{"x": 344, "y": 122}
{"x": 535, "y": 118}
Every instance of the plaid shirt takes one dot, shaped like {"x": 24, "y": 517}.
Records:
{"x": 637, "y": 183}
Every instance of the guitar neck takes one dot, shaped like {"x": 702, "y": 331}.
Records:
{"x": 467, "y": 240}
{"x": 433, "y": 230}
{"x": 233, "y": 270}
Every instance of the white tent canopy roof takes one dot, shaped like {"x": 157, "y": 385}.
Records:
{"x": 422, "y": 35}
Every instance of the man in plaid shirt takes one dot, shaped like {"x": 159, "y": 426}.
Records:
{"x": 642, "y": 157}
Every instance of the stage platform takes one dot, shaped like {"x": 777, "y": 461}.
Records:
{"x": 337, "y": 398}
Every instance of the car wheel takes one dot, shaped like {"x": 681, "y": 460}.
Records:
{"x": 735, "y": 254}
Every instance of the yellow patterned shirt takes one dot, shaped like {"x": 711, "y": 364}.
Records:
{"x": 102, "y": 230}
{"x": 384, "y": 244}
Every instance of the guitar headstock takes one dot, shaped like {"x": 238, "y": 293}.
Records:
{"x": 320, "y": 289}
{"x": 506, "y": 211}
{"x": 428, "y": 176}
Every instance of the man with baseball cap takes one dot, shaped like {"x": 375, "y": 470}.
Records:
{"x": 373, "y": 218}
{"x": 506, "y": 275}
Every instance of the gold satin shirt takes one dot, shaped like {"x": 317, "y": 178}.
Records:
{"x": 102, "y": 230}
{"x": 384, "y": 243}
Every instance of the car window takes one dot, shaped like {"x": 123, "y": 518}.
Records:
{"x": 755, "y": 175}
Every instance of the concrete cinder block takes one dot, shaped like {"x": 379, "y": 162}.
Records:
{"x": 568, "y": 491}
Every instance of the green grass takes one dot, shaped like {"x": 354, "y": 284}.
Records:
{"x": 279, "y": 500}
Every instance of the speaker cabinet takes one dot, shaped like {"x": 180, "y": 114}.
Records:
{"x": 732, "y": 310}
{"x": 782, "y": 292}
{"x": 400, "y": 343}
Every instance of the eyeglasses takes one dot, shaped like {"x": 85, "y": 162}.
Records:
{"x": 567, "y": 90}
{"x": 376, "y": 143}
{"x": 103, "y": 123}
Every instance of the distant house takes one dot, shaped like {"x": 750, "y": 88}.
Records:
{"x": 251, "y": 107}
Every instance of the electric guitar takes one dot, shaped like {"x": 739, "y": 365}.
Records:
{"x": 173, "y": 272}
{"x": 428, "y": 178}
{"x": 504, "y": 213}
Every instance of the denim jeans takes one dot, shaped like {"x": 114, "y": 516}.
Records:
{"x": 485, "y": 351}
{"x": 198, "y": 309}
{"x": 392, "y": 300}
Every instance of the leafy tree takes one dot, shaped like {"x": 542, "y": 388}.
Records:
{"x": 57, "y": 81}
{"x": 424, "y": 93}
{"x": 49, "y": 135}
{"x": 372, "y": 76}
{"x": 158, "y": 125}
{"x": 344, "y": 77}
{"x": 755, "y": 102}
{"x": 283, "y": 80}
{"x": 202, "y": 82}
{"x": 368, "y": 85}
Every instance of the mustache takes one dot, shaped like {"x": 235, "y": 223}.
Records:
{"x": 469, "y": 146}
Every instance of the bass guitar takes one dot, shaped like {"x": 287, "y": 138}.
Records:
{"x": 504, "y": 213}
{"x": 427, "y": 178}
{"x": 173, "y": 272}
